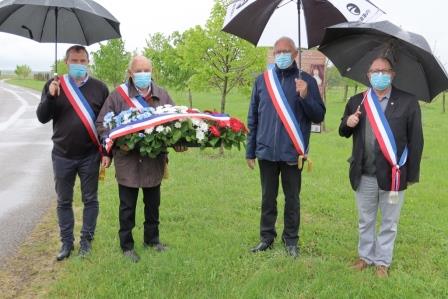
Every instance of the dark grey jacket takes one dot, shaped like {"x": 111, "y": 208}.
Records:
{"x": 404, "y": 117}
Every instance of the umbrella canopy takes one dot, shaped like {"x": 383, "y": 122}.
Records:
{"x": 262, "y": 22}
{"x": 353, "y": 46}
{"x": 82, "y": 22}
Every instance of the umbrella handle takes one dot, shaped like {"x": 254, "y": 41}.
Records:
{"x": 299, "y": 9}
{"x": 56, "y": 11}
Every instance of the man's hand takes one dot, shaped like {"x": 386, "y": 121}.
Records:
{"x": 353, "y": 119}
{"x": 251, "y": 163}
{"x": 180, "y": 148}
{"x": 54, "y": 88}
{"x": 105, "y": 162}
{"x": 301, "y": 88}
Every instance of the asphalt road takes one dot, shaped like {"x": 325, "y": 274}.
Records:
{"x": 26, "y": 176}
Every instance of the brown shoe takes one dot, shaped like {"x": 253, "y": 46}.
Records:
{"x": 382, "y": 271}
{"x": 360, "y": 265}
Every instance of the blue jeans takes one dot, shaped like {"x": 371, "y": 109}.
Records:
{"x": 65, "y": 171}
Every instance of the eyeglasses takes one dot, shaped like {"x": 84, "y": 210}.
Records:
{"x": 380, "y": 71}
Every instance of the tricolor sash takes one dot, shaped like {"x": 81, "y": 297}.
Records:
{"x": 135, "y": 102}
{"x": 384, "y": 136}
{"x": 284, "y": 111}
{"x": 81, "y": 107}
{"x": 156, "y": 120}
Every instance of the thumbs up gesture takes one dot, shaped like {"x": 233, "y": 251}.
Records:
{"x": 353, "y": 119}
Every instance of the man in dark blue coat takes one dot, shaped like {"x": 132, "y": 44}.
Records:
{"x": 269, "y": 142}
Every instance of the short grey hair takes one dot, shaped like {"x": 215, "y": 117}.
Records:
{"x": 287, "y": 39}
{"x": 133, "y": 58}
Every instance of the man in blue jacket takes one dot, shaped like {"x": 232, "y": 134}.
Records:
{"x": 285, "y": 100}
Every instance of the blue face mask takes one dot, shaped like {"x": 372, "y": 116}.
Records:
{"x": 142, "y": 79}
{"x": 77, "y": 71}
{"x": 380, "y": 81}
{"x": 283, "y": 60}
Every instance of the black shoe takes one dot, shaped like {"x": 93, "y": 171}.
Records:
{"x": 65, "y": 251}
{"x": 262, "y": 246}
{"x": 132, "y": 255}
{"x": 157, "y": 246}
{"x": 85, "y": 248}
{"x": 292, "y": 250}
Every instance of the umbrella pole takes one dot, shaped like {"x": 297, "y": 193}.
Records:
{"x": 56, "y": 43}
{"x": 299, "y": 8}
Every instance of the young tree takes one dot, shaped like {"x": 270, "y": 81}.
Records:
{"x": 110, "y": 62}
{"x": 61, "y": 67}
{"x": 23, "y": 71}
{"x": 160, "y": 49}
{"x": 220, "y": 60}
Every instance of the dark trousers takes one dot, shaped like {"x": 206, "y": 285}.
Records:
{"x": 291, "y": 183}
{"x": 65, "y": 171}
{"x": 128, "y": 202}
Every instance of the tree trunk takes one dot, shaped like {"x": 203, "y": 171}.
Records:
{"x": 223, "y": 107}
{"x": 345, "y": 93}
{"x": 190, "y": 98}
{"x": 356, "y": 89}
{"x": 223, "y": 95}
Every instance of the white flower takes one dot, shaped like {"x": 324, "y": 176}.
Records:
{"x": 167, "y": 130}
{"x": 196, "y": 122}
{"x": 204, "y": 127}
{"x": 177, "y": 125}
{"x": 149, "y": 130}
{"x": 182, "y": 109}
{"x": 200, "y": 135}
{"x": 160, "y": 129}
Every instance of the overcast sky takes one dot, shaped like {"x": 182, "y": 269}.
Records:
{"x": 140, "y": 18}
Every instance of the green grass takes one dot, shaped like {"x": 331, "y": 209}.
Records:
{"x": 210, "y": 213}
{"x": 28, "y": 83}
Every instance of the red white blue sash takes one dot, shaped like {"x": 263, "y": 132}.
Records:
{"x": 156, "y": 120}
{"x": 284, "y": 111}
{"x": 384, "y": 136}
{"x": 135, "y": 102}
{"x": 81, "y": 107}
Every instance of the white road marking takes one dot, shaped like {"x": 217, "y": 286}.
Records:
{"x": 21, "y": 110}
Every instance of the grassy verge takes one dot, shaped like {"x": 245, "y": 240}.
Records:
{"x": 28, "y": 83}
{"x": 210, "y": 215}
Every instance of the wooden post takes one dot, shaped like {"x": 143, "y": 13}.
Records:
{"x": 345, "y": 93}
{"x": 190, "y": 98}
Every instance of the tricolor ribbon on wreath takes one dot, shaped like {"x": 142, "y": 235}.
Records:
{"x": 156, "y": 120}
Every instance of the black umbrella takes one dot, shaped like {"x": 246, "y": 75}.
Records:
{"x": 262, "y": 22}
{"x": 353, "y": 46}
{"x": 82, "y": 22}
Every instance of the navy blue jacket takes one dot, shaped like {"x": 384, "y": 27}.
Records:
{"x": 267, "y": 138}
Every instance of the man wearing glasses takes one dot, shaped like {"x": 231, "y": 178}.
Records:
{"x": 385, "y": 123}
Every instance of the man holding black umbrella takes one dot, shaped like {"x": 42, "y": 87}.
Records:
{"x": 284, "y": 102}
{"x": 385, "y": 123}
{"x": 73, "y": 101}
